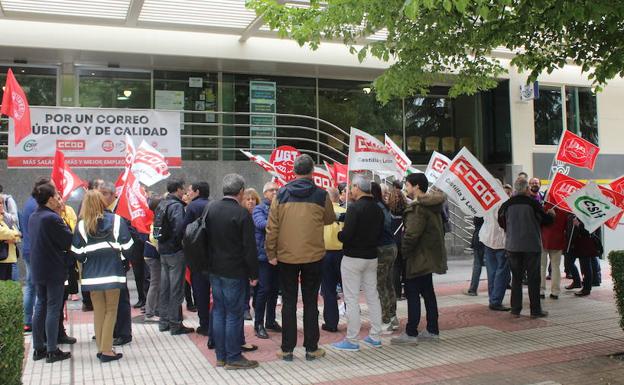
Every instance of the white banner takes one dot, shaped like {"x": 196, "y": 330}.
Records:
{"x": 437, "y": 164}
{"x": 402, "y": 161}
{"x": 367, "y": 153}
{"x": 470, "y": 185}
{"x": 94, "y": 137}
{"x": 591, "y": 206}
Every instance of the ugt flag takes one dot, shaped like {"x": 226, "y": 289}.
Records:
{"x": 149, "y": 165}
{"x": 437, "y": 164}
{"x": 266, "y": 166}
{"x": 591, "y": 206}
{"x": 63, "y": 177}
{"x": 15, "y": 105}
{"x": 402, "y": 161}
{"x": 577, "y": 151}
{"x": 470, "y": 185}
{"x": 367, "y": 153}
{"x": 560, "y": 188}
{"x": 283, "y": 160}
{"x": 618, "y": 185}
{"x": 132, "y": 205}
{"x": 616, "y": 199}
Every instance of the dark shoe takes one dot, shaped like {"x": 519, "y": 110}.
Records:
{"x": 181, "y": 330}
{"x": 98, "y": 355}
{"x": 86, "y": 307}
{"x": 286, "y": 356}
{"x": 541, "y": 314}
{"x": 515, "y": 314}
{"x": 329, "y": 329}
{"x": 543, "y": 296}
{"x": 191, "y": 308}
{"x": 163, "y": 328}
{"x": 121, "y": 341}
{"x": 139, "y": 304}
{"x": 318, "y": 353}
{"x": 596, "y": 284}
{"x": 210, "y": 344}
{"x": 243, "y": 363}
{"x": 569, "y": 276}
{"x": 470, "y": 293}
{"x": 220, "y": 363}
{"x": 66, "y": 340}
{"x": 573, "y": 286}
{"x": 202, "y": 331}
{"x": 274, "y": 327}
{"x": 499, "y": 308}
{"x": 261, "y": 332}
{"x": 39, "y": 354}
{"x": 552, "y": 296}
{"x": 58, "y": 355}
{"x": 249, "y": 347}
{"x": 105, "y": 358}
{"x": 548, "y": 277}
{"x": 582, "y": 293}
{"x": 247, "y": 315}
{"x": 93, "y": 338}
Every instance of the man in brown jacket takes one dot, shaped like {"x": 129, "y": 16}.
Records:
{"x": 424, "y": 253}
{"x": 294, "y": 238}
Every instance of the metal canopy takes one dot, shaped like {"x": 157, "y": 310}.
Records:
{"x": 218, "y": 16}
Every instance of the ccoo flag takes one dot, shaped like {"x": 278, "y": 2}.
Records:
{"x": 402, "y": 161}
{"x": 149, "y": 165}
{"x": 15, "y": 105}
{"x": 437, "y": 164}
{"x": 368, "y": 153}
{"x": 591, "y": 206}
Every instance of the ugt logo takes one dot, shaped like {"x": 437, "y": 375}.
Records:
{"x": 591, "y": 207}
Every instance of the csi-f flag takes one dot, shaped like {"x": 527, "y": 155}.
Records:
{"x": 591, "y": 206}
{"x": 368, "y": 153}
{"x": 15, "y": 105}
{"x": 470, "y": 185}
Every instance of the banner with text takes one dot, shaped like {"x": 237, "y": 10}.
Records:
{"x": 92, "y": 137}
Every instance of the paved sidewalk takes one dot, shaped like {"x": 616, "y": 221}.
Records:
{"x": 477, "y": 346}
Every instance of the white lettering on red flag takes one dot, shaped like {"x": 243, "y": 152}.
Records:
{"x": 322, "y": 178}
{"x": 368, "y": 153}
{"x": 577, "y": 151}
{"x": 283, "y": 159}
{"x": 402, "y": 161}
{"x": 149, "y": 165}
{"x": 560, "y": 188}
{"x": 132, "y": 205}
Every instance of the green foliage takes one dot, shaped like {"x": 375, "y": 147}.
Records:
{"x": 11, "y": 329}
{"x": 429, "y": 37}
{"x": 616, "y": 258}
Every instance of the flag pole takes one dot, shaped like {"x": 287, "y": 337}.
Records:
{"x": 550, "y": 172}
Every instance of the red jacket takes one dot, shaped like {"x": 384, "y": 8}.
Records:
{"x": 553, "y": 236}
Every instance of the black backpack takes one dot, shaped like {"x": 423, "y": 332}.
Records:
{"x": 195, "y": 243}
{"x": 161, "y": 227}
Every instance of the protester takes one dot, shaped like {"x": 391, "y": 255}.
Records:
{"x": 360, "y": 237}
{"x": 9, "y": 237}
{"x": 50, "y": 240}
{"x": 553, "y": 244}
{"x": 424, "y": 253}
{"x": 98, "y": 242}
{"x": 331, "y": 277}
{"x": 386, "y": 252}
{"x": 68, "y": 215}
{"x": 94, "y": 184}
{"x": 295, "y": 239}
{"x": 584, "y": 246}
{"x": 234, "y": 264}
{"x": 492, "y": 237}
{"x": 10, "y": 208}
{"x": 477, "y": 262}
{"x": 199, "y": 193}
{"x": 342, "y": 190}
{"x": 152, "y": 260}
{"x": 522, "y": 217}
{"x": 172, "y": 259}
{"x": 534, "y": 190}
{"x": 397, "y": 204}
{"x": 268, "y": 280}
{"x": 250, "y": 200}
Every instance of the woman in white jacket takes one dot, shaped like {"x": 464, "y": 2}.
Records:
{"x": 493, "y": 238}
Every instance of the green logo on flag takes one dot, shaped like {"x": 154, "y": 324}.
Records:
{"x": 591, "y": 207}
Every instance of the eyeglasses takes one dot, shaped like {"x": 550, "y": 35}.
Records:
{"x": 271, "y": 190}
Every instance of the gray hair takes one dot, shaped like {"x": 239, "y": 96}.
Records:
{"x": 267, "y": 186}
{"x": 363, "y": 183}
{"x": 233, "y": 184}
{"x": 521, "y": 185}
{"x": 304, "y": 165}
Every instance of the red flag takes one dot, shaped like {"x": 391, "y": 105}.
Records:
{"x": 283, "y": 159}
{"x": 577, "y": 151}
{"x": 133, "y": 206}
{"x": 322, "y": 178}
{"x": 342, "y": 172}
{"x": 616, "y": 199}
{"x": 560, "y": 188}
{"x": 618, "y": 185}
{"x": 63, "y": 177}
{"x": 129, "y": 161}
{"x": 331, "y": 170}
{"x": 15, "y": 105}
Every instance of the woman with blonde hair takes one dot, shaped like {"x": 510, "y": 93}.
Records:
{"x": 251, "y": 199}
{"x": 101, "y": 240}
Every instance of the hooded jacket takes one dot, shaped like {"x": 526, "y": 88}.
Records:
{"x": 260, "y": 218}
{"x": 294, "y": 232}
{"x": 423, "y": 240}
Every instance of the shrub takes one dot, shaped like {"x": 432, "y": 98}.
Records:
{"x": 616, "y": 258}
{"x": 11, "y": 333}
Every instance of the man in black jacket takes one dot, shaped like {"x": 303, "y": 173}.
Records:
{"x": 172, "y": 260}
{"x": 522, "y": 217}
{"x": 234, "y": 264}
{"x": 199, "y": 193}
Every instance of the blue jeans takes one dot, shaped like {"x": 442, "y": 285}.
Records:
{"x": 14, "y": 272}
{"x": 29, "y": 295}
{"x": 414, "y": 289}
{"x": 477, "y": 265}
{"x": 266, "y": 294}
{"x": 228, "y": 295}
{"x": 498, "y": 274}
{"x": 201, "y": 289}
{"x": 329, "y": 280}
{"x": 172, "y": 268}
{"x": 47, "y": 314}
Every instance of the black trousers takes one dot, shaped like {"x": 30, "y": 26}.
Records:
{"x": 330, "y": 279}
{"x": 123, "y": 325}
{"x": 570, "y": 266}
{"x": 310, "y": 275}
{"x": 587, "y": 271}
{"x": 521, "y": 262}
{"x": 138, "y": 268}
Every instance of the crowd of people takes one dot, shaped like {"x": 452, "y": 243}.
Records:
{"x": 385, "y": 240}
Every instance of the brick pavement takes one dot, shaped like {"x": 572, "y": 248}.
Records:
{"x": 477, "y": 346}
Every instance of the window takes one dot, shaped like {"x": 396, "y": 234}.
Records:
{"x": 579, "y": 114}
{"x": 114, "y": 89}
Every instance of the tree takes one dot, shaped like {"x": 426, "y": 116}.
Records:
{"x": 430, "y": 40}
